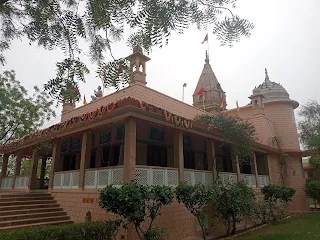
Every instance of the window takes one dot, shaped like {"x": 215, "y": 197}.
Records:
{"x": 156, "y": 134}
{"x": 120, "y": 133}
{"x": 105, "y": 136}
{"x": 65, "y": 145}
{"x": 75, "y": 144}
{"x": 189, "y": 159}
{"x": 187, "y": 141}
{"x": 157, "y": 156}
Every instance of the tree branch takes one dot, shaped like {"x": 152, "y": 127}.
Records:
{"x": 218, "y": 7}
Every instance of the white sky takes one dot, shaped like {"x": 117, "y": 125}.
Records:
{"x": 285, "y": 40}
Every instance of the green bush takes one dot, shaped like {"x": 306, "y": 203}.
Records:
{"x": 195, "y": 199}
{"x": 278, "y": 192}
{"x": 80, "y": 231}
{"x": 269, "y": 211}
{"x": 313, "y": 190}
{"x": 136, "y": 204}
{"x": 233, "y": 202}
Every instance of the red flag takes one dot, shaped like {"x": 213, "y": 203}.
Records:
{"x": 205, "y": 39}
{"x": 200, "y": 92}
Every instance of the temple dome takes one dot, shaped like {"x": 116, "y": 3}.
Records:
{"x": 272, "y": 91}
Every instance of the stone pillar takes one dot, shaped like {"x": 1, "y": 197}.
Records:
{"x": 130, "y": 149}
{"x": 238, "y": 169}
{"x": 178, "y": 154}
{"x": 43, "y": 171}
{"x": 33, "y": 170}
{"x": 17, "y": 168}
{"x": 5, "y": 160}
{"x": 255, "y": 168}
{"x": 56, "y": 151}
{"x": 212, "y": 163}
{"x": 85, "y": 156}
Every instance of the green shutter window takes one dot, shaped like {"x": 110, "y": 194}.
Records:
{"x": 65, "y": 145}
{"x": 156, "y": 134}
{"x": 187, "y": 141}
{"x": 75, "y": 144}
{"x": 105, "y": 136}
{"x": 120, "y": 133}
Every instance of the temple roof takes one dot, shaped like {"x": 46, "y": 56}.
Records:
{"x": 212, "y": 88}
{"x": 271, "y": 90}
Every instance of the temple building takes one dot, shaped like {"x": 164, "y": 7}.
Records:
{"x": 141, "y": 134}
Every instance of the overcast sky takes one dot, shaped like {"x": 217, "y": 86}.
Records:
{"x": 285, "y": 40}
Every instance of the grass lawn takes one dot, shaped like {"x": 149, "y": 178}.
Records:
{"x": 306, "y": 227}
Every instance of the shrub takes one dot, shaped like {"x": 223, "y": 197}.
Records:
{"x": 278, "y": 192}
{"x": 80, "y": 231}
{"x": 136, "y": 203}
{"x": 195, "y": 198}
{"x": 233, "y": 202}
{"x": 269, "y": 211}
{"x": 313, "y": 190}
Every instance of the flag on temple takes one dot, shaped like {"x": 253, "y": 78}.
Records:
{"x": 238, "y": 110}
{"x": 84, "y": 100}
{"x": 222, "y": 104}
{"x": 200, "y": 92}
{"x": 205, "y": 39}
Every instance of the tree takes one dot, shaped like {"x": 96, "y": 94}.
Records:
{"x": 195, "y": 199}
{"x": 233, "y": 201}
{"x": 21, "y": 114}
{"x": 309, "y": 128}
{"x": 239, "y": 133}
{"x": 136, "y": 204}
{"x": 313, "y": 191}
{"x": 61, "y": 24}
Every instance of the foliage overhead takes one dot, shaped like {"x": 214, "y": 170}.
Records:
{"x": 21, "y": 114}
{"x": 236, "y": 131}
{"x": 195, "y": 199}
{"x": 62, "y": 24}
{"x": 137, "y": 203}
{"x": 278, "y": 192}
{"x": 78, "y": 231}
{"x": 309, "y": 128}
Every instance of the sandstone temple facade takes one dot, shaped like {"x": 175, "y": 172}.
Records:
{"x": 141, "y": 134}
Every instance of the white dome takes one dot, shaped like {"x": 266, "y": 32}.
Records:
{"x": 271, "y": 90}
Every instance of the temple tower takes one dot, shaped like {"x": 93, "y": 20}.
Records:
{"x": 213, "y": 98}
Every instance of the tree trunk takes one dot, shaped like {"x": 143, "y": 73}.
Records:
{"x": 234, "y": 226}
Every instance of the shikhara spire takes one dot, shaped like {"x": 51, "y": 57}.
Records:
{"x": 267, "y": 76}
{"x": 214, "y": 97}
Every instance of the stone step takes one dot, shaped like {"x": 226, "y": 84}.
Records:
{"x": 24, "y": 226}
{"x": 10, "y": 195}
{"x": 24, "y": 199}
{"x": 33, "y": 220}
{"x": 31, "y": 206}
{"x": 31, "y": 216}
{"x": 30, "y": 211}
{"x": 27, "y": 202}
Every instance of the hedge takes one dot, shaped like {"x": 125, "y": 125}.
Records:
{"x": 79, "y": 231}
{"x": 278, "y": 192}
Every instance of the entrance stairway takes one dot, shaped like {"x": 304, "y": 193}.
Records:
{"x": 26, "y": 210}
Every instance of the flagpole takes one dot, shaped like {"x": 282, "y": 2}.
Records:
{"x": 208, "y": 48}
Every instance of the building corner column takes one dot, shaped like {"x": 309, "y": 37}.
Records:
{"x": 255, "y": 167}
{"x": 178, "y": 154}
{"x": 4, "y": 168}
{"x": 130, "y": 150}
{"x": 212, "y": 162}
{"x": 33, "y": 170}
{"x": 86, "y": 146}
{"x": 55, "y": 161}
{"x": 17, "y": 169}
